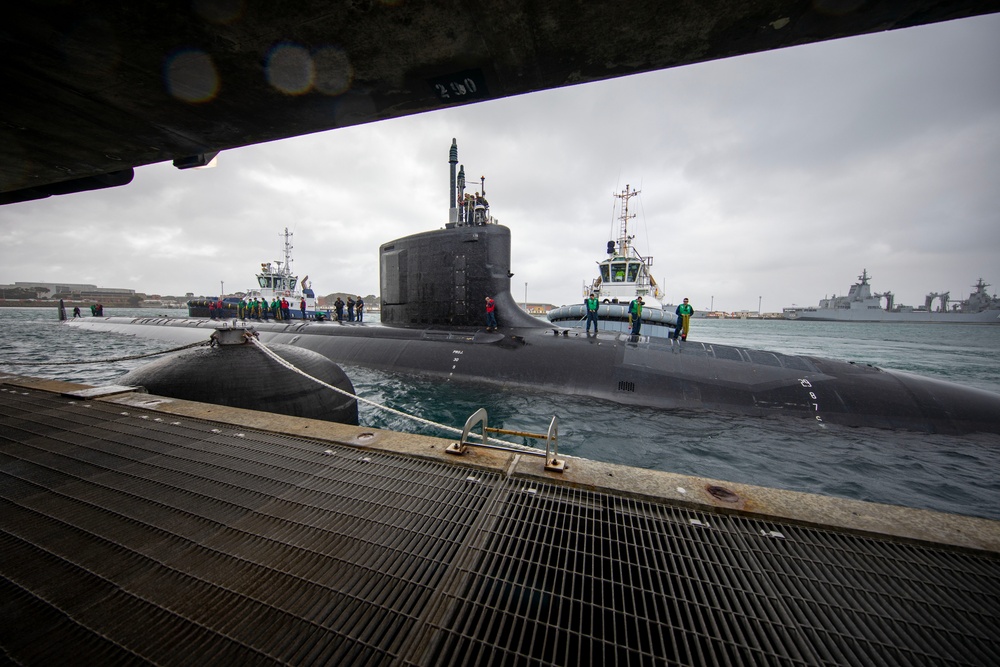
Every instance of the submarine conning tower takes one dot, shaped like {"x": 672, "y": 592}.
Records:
{"x": 442, "y": 277}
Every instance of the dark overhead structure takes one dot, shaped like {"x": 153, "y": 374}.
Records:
{"x": 93, "y": 89}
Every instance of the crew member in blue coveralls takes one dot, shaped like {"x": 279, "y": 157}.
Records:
{"x": 635, "y": 315}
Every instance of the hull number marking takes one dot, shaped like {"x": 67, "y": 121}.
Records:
{"x": 814, "y": 399}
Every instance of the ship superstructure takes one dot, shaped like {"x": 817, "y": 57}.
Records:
{"x": 275, "y": 281}
{"x": 625, "y": 273}
{"x": 622, "y": 276}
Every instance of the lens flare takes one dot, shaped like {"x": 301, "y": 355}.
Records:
{"x": 290, "y": 69}
{"x": 333, "y": 71}
{"x": 190, "y": 75}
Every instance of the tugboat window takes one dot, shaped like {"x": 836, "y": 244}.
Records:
{"x": 605, "y": 273}
{"x": 633, "y": 271}
{"x": 619, "y": 270}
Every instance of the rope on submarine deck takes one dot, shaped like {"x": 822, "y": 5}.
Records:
{"x": 104, "y": 361}
{"x": 504, "y": 444}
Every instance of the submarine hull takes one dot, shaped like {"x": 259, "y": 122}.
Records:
{"x": 641, "y": 371}
{"x": 434, "y": 286}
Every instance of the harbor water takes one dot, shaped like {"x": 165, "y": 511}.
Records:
{"x": 958, "y": 474}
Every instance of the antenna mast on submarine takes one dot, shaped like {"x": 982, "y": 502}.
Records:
{"x": 452, "y": 161}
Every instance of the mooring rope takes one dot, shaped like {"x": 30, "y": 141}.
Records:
{"x": 103, "y": 361}
{"x": 427, "y": 422}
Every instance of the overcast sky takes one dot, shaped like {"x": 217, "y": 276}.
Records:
{"x": 775, "y": 177}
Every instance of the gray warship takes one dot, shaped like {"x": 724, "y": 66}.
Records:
{"x": 861, "y": 305}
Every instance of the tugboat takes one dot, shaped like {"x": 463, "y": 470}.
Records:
{"x": 275, "y": 281}
{"x": 623, "y": 276}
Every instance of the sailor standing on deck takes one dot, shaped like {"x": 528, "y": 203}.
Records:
{"x": 684, "y": 313}
{"x": 635, "y": 315}
{"x": 591, "y": 306}
{"x": 491, "y": 318}
{"x": 359, "y": 306}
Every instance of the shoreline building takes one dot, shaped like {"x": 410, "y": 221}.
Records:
{"x": 83, "y": 292}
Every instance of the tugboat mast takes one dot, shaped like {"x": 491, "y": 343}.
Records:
{"x": 286, "y": 272}
{"x": 624, "y": 240}
{"x": 288, "y": 249}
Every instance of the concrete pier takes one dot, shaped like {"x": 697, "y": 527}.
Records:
{"x": 141, "y": 529}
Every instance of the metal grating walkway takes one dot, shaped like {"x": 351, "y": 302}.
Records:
{"x": 568, "y": 577}
{"x": 130, "y": 536}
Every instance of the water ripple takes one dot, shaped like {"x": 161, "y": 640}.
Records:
{"x": 944, "y": 473}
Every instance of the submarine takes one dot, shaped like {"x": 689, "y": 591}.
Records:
{"x": 434, "y": 287}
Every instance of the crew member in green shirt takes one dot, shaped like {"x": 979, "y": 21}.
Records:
{"x": 635, "y": 315}
{"x": 591, "y": 305}
{"x": 684, "y": 313}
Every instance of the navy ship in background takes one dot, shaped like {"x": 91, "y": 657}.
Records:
{"x": 860, "y": 305}
{"x": 434, "y": 286}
